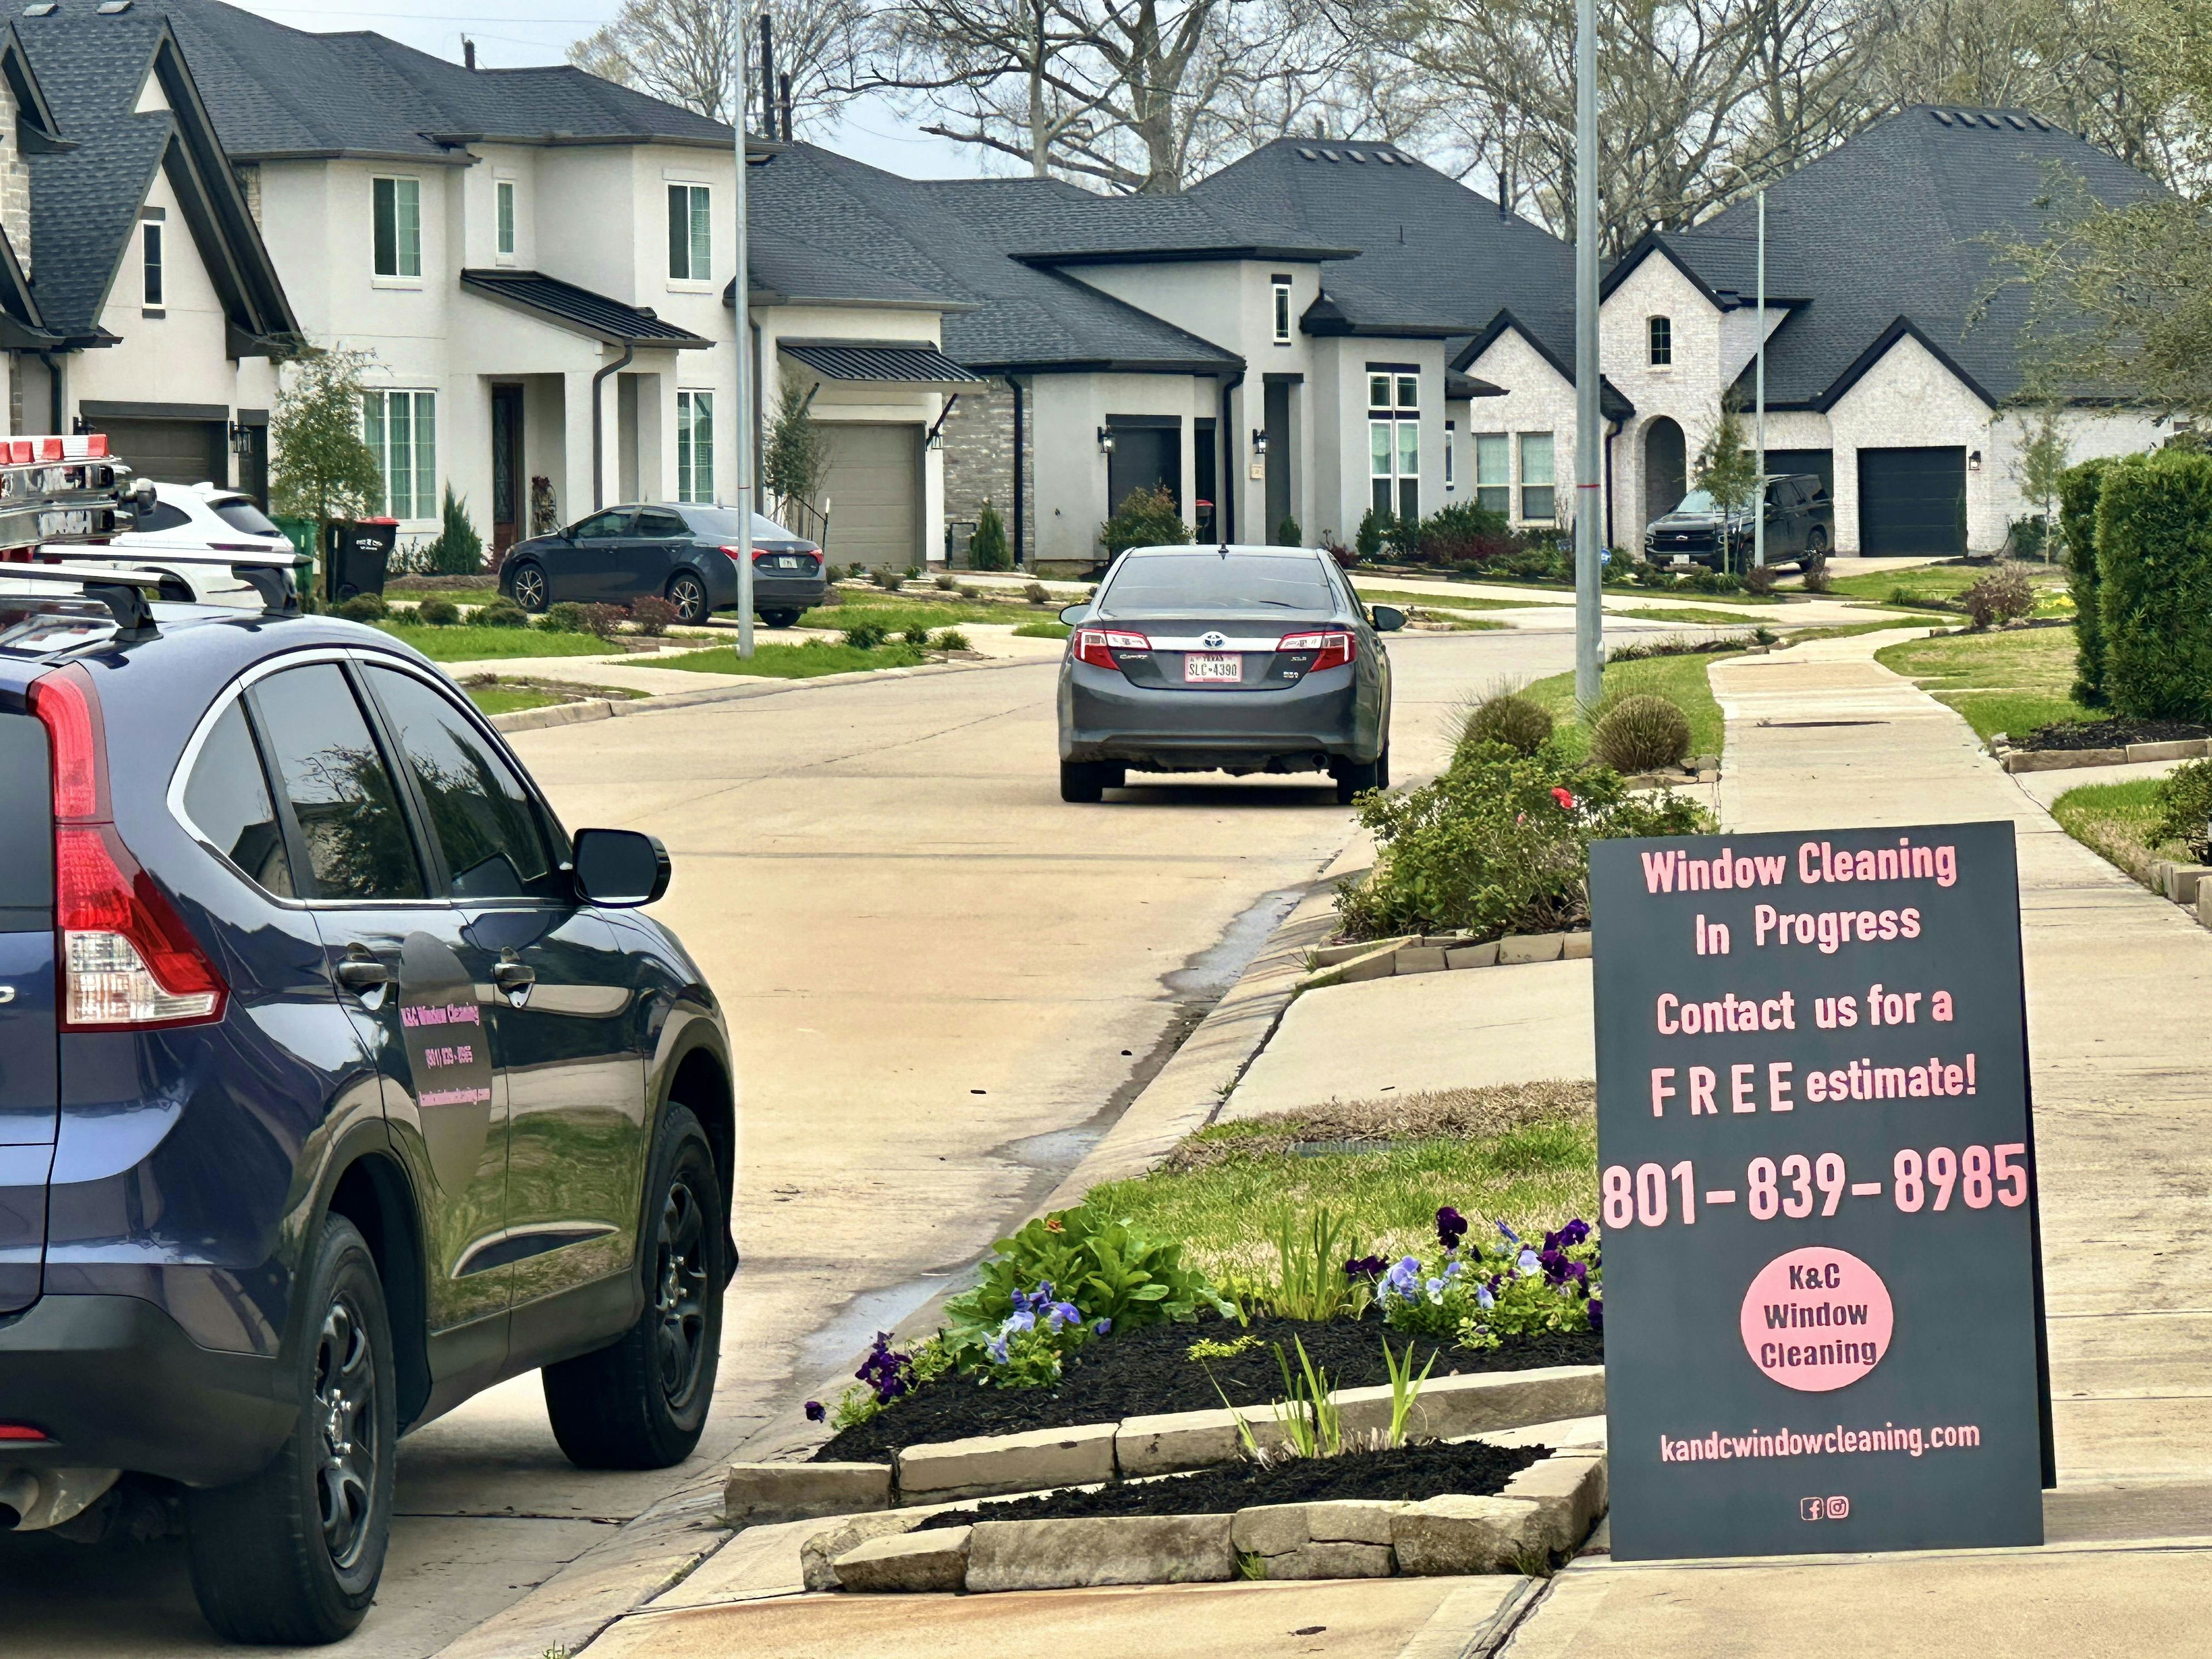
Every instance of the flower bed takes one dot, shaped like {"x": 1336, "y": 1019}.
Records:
{"x": 2109, "y": 733}
{"x": 1150, "y": 1371}
{"x": 1470, "y": 1469}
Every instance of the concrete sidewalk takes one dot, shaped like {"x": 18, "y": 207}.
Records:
{"x": 2119, "y": 989}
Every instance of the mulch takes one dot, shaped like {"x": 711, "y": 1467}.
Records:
{"x": 1466, "y": 1468}
{"x": 2109, "y": 733}
{"x": 1150, "y": 1371}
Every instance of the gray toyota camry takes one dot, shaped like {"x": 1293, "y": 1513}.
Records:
{"x": 1235, "y": 659}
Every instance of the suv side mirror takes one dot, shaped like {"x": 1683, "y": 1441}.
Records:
{"x": 622, "y": 868}
{"x": 1389, "y": 619}
{"x": 1075, "y": 613}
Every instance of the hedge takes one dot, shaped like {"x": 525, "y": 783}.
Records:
{"x": 2154, "y": 584}
{"x": 2077, "y": 524}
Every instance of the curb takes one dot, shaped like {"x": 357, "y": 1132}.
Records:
{"x": 600, "y": 708}
{"x": 2068, "y": 760}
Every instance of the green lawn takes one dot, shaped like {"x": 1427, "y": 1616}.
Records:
{"x": 2115, "y": 821}
{"x": 510, "y": 699}
{"x": 1680, "y": 679}
{"x": 1921, "y": 584}
{"x": 468, "y": 644}
{"x": 1044, "y": 630}
{"x": 795, "y": 662}
{"x": 2004, "y": 682}
{"x": 1683, "y": 614}
{"x": 900, "y": 612}
{"x": 1534, "y": 1176}
{"x": 1429, "y": 601}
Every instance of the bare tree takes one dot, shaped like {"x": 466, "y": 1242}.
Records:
{"x": 681, "y": 50}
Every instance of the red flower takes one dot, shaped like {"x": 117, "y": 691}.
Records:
{"x": 1565, "y": 800}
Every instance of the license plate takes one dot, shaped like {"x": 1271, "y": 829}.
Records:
{"x": 789, "y": 562}
{"x": 1197, "y": 666}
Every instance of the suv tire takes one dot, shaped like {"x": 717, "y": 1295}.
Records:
{"x": 642, "y": 1403}
{"x": 294, "y": 1554}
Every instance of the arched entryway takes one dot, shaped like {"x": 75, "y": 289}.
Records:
{"x": 1666, "y": 463}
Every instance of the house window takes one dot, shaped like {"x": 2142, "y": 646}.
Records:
{"x": 1394, "y": 444}
{"x": 401, "y": 430}
{"x": 398, "y": 227}
{"x": 1282, "y": 310}
{"x": 1661, "y": 332}
{"x": 1539, "y": 501}
{"x": 691, "y": 233}
{"x": 151, "y": 236}
{"x": 694, "y": 447}
{"x": 1493, "y": 473}
{"x": 1451, "y": 444}
{"x": 503, "y": 191}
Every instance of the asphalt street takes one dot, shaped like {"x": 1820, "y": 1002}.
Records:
{"x": 941, "y": 983}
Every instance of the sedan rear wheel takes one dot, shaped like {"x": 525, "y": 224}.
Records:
{"x": 1353, "y": 778}
{"x": 1087, "y": 782}
{"x": 689, "y": 595}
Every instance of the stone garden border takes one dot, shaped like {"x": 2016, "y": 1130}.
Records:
{"x": 1544, "y": 1511}
{"x": 1449, "y": 1408}
{"x": 2064, "y": 760}
{"x": 1431, "y": 953}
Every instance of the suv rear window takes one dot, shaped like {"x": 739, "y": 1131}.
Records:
{"x": 27, "y": 822}
{"x": 162, "y": 515}
{"x": 1216, "y": 582}
{"x": 240, "y": 514}
{"x": 226, "y": 799}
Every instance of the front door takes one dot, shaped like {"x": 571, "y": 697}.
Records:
{"x": 394, "y": 944}
{"x": 570, "y": 1069}
{"x": 507, "y": 481}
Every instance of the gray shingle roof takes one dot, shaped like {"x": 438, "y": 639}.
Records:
{"x": 277, "y": 91}
{"x": 580, "y": 309}
{"x": 1887, "y": 234}
{"x": 967, "y": 240}
{"x": 1437, "y": 257}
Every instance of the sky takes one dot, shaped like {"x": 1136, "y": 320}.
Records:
{"x": 510, "y": 33}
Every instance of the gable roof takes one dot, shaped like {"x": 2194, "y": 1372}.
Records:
{"x": 1940, "y": 182}
{"x": 979, "y": 243}
{"x": 1436, "y": 258}
{"x": 85, "y": 197}
{"x": 279, "y": 91}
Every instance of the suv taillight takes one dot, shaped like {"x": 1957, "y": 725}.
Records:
{"x": 127, "y": 958}
{"x": 1332, "y": 649}
{"x": 1097, "y": 646}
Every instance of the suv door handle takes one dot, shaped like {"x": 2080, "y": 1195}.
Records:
{"x": 363, "y": 975}
{"x": 513, "y": 976}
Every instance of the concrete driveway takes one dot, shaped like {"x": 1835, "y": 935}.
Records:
{"x": 942, "y": 982}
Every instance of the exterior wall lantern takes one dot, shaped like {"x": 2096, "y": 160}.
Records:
{"x": 1259, "y": 442}
{"x": 1105, "y": 440}
{"x": 1974, "y": 460}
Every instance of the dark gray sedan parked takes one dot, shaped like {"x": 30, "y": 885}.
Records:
{"x": 1235, "y": 659}
{"x": 685, "y": 555}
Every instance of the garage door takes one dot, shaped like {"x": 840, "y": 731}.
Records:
{"x": 1913, "y": 500}
{"x": 171, "y": 452}
{"x": 874, "y": 491}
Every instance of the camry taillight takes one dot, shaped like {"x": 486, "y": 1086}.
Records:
{"x": 1332, "y": 649}
{"x": 1097, "y": 646}
{"x": 127, "y": 958}
{"x": 736, "y": 555}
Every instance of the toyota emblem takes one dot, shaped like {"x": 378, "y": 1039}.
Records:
{"x": 1214, "y": 641}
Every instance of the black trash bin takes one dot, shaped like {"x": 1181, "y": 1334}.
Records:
{"x": 355, "y": 555}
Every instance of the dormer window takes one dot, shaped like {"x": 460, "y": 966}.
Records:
{"x": 1281, "y": 312}
{"x": 1661, "y": 332}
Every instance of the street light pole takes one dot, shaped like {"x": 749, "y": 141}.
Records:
{"x": 1758, "y": 421}
{"x": 741, "y": 296}
{"x": 1590, "y": 655}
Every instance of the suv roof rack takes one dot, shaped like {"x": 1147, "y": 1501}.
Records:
{"x": 123, "y": 592}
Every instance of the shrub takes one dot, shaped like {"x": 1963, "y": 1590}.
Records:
{"x": 865, "y": 636}
{"x": 2077, "y": 530}
{"x": 459, "y": 550}
{"x": 1344, "y": 557}
{"x": 1037, "y": 593}
{"x": 1817, "y": 579}
{"x": 1465, "y": 533}
{"x": 1146, "y": 518}
{"x": 1367, "y": 540}
{"x": 1641, "y": 734}
{"x": 1289, "y": 533}
{"x": 1483, "y": 1289}
{"x": 2000, "y": 594}
{"x": 1521, "y": 724}
{"x": 986, "y": 548}
{"x": 605, "y": 620}
{"x": 1404, "y": 536}
{"x": 437, "y": 612}
{"x": 565, "y": 618}
{"x": 831, "y": 600}
{"x": 885, "y": 578}
{"x": 918, "y": 635}
{"x": 2026, "y": 537}
{"x": 652, "y": 614}
{"x": 2184, "y": 800}
{"x": 946, "y": 583}
{"x": 1499, "y": 844}
{"x": 914, "y": 573}
{"x": 953, "y": 640}
{"x": 1760, "y": 579}
{"x": 2154, "y": 584}
{"x": 503, "y": 612}
{"x": 364, "y": 608}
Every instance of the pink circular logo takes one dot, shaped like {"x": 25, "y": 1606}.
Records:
{"x": 1816, "y": 1319}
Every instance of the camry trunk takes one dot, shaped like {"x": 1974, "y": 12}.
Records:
{"x": 29, "y": 1086}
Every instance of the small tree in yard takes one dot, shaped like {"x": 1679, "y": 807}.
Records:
{"x": 1727, "y": 469}
{"x": 459, "y": 550}
{"x": 986, "y": 548}
{"x": 2040, "y": 469}
{"x": 796, "y": 462}
{"x": 321, "y": 469}
{"x": 1146, "y": 518}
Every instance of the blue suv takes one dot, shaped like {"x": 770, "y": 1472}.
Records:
{"x": 337, "y": 1083}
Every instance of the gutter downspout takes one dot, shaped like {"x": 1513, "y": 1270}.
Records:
{"x": 599, "y": 421}
{"x": 1017, "y": 386}
{"x": 1612, "y": 431}
{"x": 55, "y": 400}
{"x": 1227, "y": 488}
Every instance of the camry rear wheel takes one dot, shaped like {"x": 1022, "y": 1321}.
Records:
{"x": 1087, "y": 782}
{"x": 1353, "y": 778}
{"x": 293, "y": 1555}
